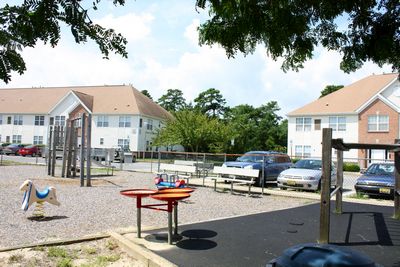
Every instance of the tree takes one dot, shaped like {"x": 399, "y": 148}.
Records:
{"x": 211, "y": 102}
{"x": 173, "y": 100}
{"x": 330, "y": 89}
{"x": 146, "y": 93}
{"x": 195, "y": 132}
{"x": 292, "y": 29}
{"x": 39, "y": 20}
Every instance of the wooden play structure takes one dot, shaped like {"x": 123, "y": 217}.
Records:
{"x": 32, "y": 195}
{"x": 63, "y": 142}
{"x": 327, "y": 144}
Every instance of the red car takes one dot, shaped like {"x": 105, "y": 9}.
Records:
{"x": 30, "y": 150}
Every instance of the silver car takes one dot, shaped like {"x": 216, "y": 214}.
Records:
{"x": 305, "y": 174}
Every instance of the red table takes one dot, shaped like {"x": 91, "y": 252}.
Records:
{"x": 171, "y": 197}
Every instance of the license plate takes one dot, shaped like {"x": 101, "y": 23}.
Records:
{"x": 291, "y": 182}
{"x": 384, "y": 190}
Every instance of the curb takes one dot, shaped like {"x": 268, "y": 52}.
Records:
{"x": 141, "y": 253}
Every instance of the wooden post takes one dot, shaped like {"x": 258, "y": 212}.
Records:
{"x": 324, "y": 220}
{"x": 88, "y": 149}
{"x": 82, "y": 154}
{"x": 65, "y": 148}
{"x": 396, "y": 214}
{"x": 339, "y": 182}
{"x": 54, "y": 150}
{"x": 75, "y": 150}
{"x": 70, "y": 133}
{"x": 49, "y": 149}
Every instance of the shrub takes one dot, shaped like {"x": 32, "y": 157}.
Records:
{"x": 350, "y": 167}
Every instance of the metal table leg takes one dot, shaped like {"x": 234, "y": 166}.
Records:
{"x": 138, "y": 215}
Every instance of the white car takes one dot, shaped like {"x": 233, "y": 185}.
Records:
{"x": 305, "y": 174}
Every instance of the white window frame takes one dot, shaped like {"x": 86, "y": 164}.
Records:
{"x": 18, "y": 120}
{"x": 16, "y": 139}
{"x": 149, "y": 124}
{"x": 101, "y": 140}
{"x": 1, "y": 119}
{"x": 337, "y": 123}
{"x": 59, "y": 120}
{"x": 303, "y": 124}
{"x": 302, "y": 151}
{"x": 39, "y": 120}
{"x": 124, "y": 121}
{"x": 37, "y": 140}
{"x": 102, "y": 121}
{"x": 123, "y": 143}
{"x": 381, "y": 122}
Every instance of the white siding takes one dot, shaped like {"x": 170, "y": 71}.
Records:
{"x": 393, "y": 93}
{"x": 313, "y": 138}
{"x": 27, "y": 130}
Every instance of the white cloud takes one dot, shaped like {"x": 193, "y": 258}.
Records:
{"x": 132, "y": 26}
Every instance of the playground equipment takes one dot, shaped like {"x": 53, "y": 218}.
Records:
{"x": 32, "y": 195}
{"x": 165, "y": 180}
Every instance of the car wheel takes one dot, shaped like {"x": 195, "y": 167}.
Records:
{"x": 282, "y": 188}
{"x": 33, "y": 155}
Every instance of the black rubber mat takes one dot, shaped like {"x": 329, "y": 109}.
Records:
{"x": 254, "y": 240}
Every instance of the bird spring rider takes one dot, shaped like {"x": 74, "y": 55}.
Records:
{"x": 32, "y": 195}
{"x": 168, "y": 181}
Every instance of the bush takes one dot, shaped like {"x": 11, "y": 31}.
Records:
{"x": 294, "y": 160}
{"x": 350, "y": 167}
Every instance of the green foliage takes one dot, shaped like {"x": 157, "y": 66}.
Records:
{"x": 330, "y": 89}
{"x": 293, "y": 29}
{"x": 65, "y": 262}
{"x": 15, "y": 258}
{"x": 211, "y": 102}
{"x": 146, "y": 93}
{"x": 172, "y": 101}
{"x": 57, "y": 252}
{"x": 257, "y": 128}
{"x": 196, "y": 132}
{"x": 350, "y": 167}
{"x": 30, "y": 22}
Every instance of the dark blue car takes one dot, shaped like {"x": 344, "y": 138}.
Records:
{"x": 274, "y": 163}
{"x": 377, "y": 180}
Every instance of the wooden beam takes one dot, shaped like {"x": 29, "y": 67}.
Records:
{"x": 324, "y": 221}
{"x": 82, "y": 155}
{"x": 339, "y": 182}
{"x": 88, "y": 149}
{"x": 49, "y": 149}
{"x": 65, "y": 148}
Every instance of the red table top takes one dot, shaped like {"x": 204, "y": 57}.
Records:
{"x": 175, "y": 190}
{"x": 138, "y": 192}
{"x": 170, "y": 196}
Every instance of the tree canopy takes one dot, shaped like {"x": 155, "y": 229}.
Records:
{"x": 173, "y": 100}
{"x": 330, "y": 89}
{"x": 293, "y": 29}
{"x": 32, "y": 21}
{"x": 211, "y": 102}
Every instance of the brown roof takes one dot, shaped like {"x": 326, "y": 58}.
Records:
{"x": 113, "y": 99}
{"x": 349, "y": 98}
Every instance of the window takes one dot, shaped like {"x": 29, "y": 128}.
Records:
{"x": 302, "y": 151}
{"x": 140, "y": 122}
{"x": 101, "y": 141}
{"x": 317, "y": 125}
{"x": 378, "y": 123}
{"x": 17, "y": 139}
{"x": 37, "y": 140}
{"x": 1, "y": 120}
{"x": 102, "y": 121}
{"x": 18, "y": 120}
{"x": 149, "y": 124}
{"x": 303, "y": 124}
{"x": 337, "y": 123}
{"x": 9, "y": 120}
{"x": 59, "y": 120}
{"x": 0, "y": 137}
{"x": 39, "y": 120}
{"x": 7, "y": 139}
{"x": 124, "y": 121}
{"x": 123, "y": 143}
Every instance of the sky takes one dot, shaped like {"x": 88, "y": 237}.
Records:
{"x": 163, "y": 53}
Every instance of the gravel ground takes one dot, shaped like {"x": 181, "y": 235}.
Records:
{"x": 90, "y": 210}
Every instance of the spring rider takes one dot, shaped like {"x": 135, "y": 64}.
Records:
{"x": 32, "y": 195}
{"x": 164, "y": 180}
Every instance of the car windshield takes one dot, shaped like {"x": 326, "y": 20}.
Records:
{"x": 380, "y": 169}
{"x": 30, "y": 147}
{"x": 312, "y": 164}
{"x": 250, "y": 158}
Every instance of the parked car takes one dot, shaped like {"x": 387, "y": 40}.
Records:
{"x": 32, "y": 150}
{"x": 12, "y": 149}
{"x": 274, "y": 163}
{"x": 377, "y": 180}
{"x": 305, "y": 174}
